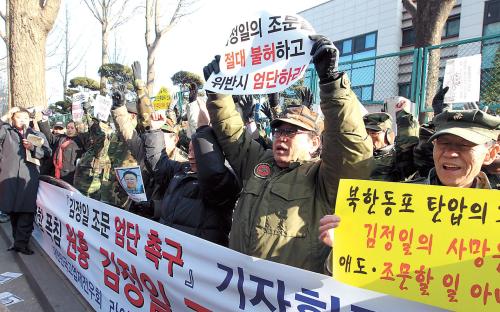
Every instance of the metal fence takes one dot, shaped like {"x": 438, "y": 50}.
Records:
{"x": 405, "y": 73}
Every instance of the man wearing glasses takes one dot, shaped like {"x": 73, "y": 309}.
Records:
{"x": 285, "y": 190}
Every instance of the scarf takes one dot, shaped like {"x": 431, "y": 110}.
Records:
{"x": 58, "y": 156}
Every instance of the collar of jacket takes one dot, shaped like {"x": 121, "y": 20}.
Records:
{"x": 386, "y": 150}
{"x": 480, "y": 182}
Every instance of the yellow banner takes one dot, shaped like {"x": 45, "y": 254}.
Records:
{"x": 432, "y": 244}
{"x": 162, "y": 100}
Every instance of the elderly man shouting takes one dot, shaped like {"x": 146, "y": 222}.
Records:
{"x": 285, "y": 190}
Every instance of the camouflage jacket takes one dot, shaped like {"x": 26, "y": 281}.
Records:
{"x": 94, "y": 165}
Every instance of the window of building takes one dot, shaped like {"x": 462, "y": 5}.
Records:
{"x": 362, "y": 74}
{"x": 491, "y": 12}
{"x": 404, "y": 89}
{"x": 491, "y": 26}
{"x": 408, "y": 36}
{"x": 450, "y": 29}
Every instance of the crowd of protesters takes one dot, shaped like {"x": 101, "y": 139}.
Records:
{"x": 216, "y": 172}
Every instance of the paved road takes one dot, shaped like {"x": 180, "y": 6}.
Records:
{"x": 42, "y": 286}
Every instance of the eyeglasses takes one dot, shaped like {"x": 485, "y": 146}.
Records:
{"x": 445, "y": 144}
{"x": 287, "y": 132}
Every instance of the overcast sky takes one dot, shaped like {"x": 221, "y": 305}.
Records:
{"x": 189, "y": 46}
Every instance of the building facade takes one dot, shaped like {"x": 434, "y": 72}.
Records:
{"x": 362, "y": 29}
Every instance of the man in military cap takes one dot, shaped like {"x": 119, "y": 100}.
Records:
{"x": 285, "y": 190}
{"x": 393, "y": 155}
{"x": 464, "y": 141}
{"x": 379, "y": 128}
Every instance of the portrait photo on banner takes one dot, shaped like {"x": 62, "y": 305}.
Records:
{"x": 130, "y": 179}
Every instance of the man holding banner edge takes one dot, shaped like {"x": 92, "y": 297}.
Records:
{"x": 464, "y": 141}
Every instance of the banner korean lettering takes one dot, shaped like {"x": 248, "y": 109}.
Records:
{"x": 122, "y": 262}
{"x": 264, "y": 54}
{"x": 432, "y": 244}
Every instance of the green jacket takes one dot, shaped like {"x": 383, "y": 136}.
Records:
{"x": 277, "y": 216}
{"x": 394, "y": 163}
{"x": 94, "y": 167}
{"x": 481, "y": 181}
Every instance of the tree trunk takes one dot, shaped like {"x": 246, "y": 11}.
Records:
{"x": 29, "y": 25}
{"x": 429, "y": 22}
{"x": 151, "y": 68}
{"x": 104, "y": 53}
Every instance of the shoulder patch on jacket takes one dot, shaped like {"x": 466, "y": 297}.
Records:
{"x": 262, "y": 170}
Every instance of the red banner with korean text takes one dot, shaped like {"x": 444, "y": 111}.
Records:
{"x": 122, "y": 262}
{"x": 432, "y": 244}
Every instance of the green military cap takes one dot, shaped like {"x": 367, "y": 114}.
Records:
{"x": 474, "y": 125}
{"x": 378, "y": 121}
{"x": 299, "y": 115}
{"x": 169, "y": 126}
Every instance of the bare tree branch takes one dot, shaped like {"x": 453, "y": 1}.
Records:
{"x": 410, "y": 7}
{"x": 2, "y": 34}
{"x": 91, "y": 5}
{"x": 4, "y": 37}
{"x": 3, "y": 16}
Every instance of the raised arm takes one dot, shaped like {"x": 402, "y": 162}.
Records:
{"x": 347, "y": 149}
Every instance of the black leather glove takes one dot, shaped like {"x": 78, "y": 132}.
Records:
{"x": 247, "y": 107}
{"x": 118, "y": 99}
{"x": 325, "y": 56}
{"x": 266, "y": 109}
{"x": 438, "y": 100}
{"x": 212, "y": 67}
{"x": 274, "y": 99}
{"x": 307, "y": 97}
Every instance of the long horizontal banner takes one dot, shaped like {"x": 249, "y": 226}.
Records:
{"x": 122, "y": 262}
{"x": 433, "y": 244}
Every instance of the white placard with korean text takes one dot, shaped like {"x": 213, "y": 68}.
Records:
{"x": 122, "y": 262}
{"x": 463, "y": 76}
{"x": 102, "y": 107}
{"x": 265, "y": 53}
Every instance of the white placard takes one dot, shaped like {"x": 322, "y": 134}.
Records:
{"x": 77, "y": 111}
{"x": 265, "y": 53}
{"x": 463, "y": 76}
{"x": 102, "y": 107}
{"x": 7, "y": 299}
{"x": 121, "y": 261}
{"x": 8, "y": 276}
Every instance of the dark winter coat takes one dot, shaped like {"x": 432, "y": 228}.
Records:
{"x": 70, "y": 154}
{"x": 199, "y": 203}
{"x": 18, "y": 177}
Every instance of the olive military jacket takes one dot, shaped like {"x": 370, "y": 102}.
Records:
{"x": 277, "y": 215}
{"x": 394, "y": 163}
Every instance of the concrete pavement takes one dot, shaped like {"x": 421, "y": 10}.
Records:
{"x": 43, "y": 287}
